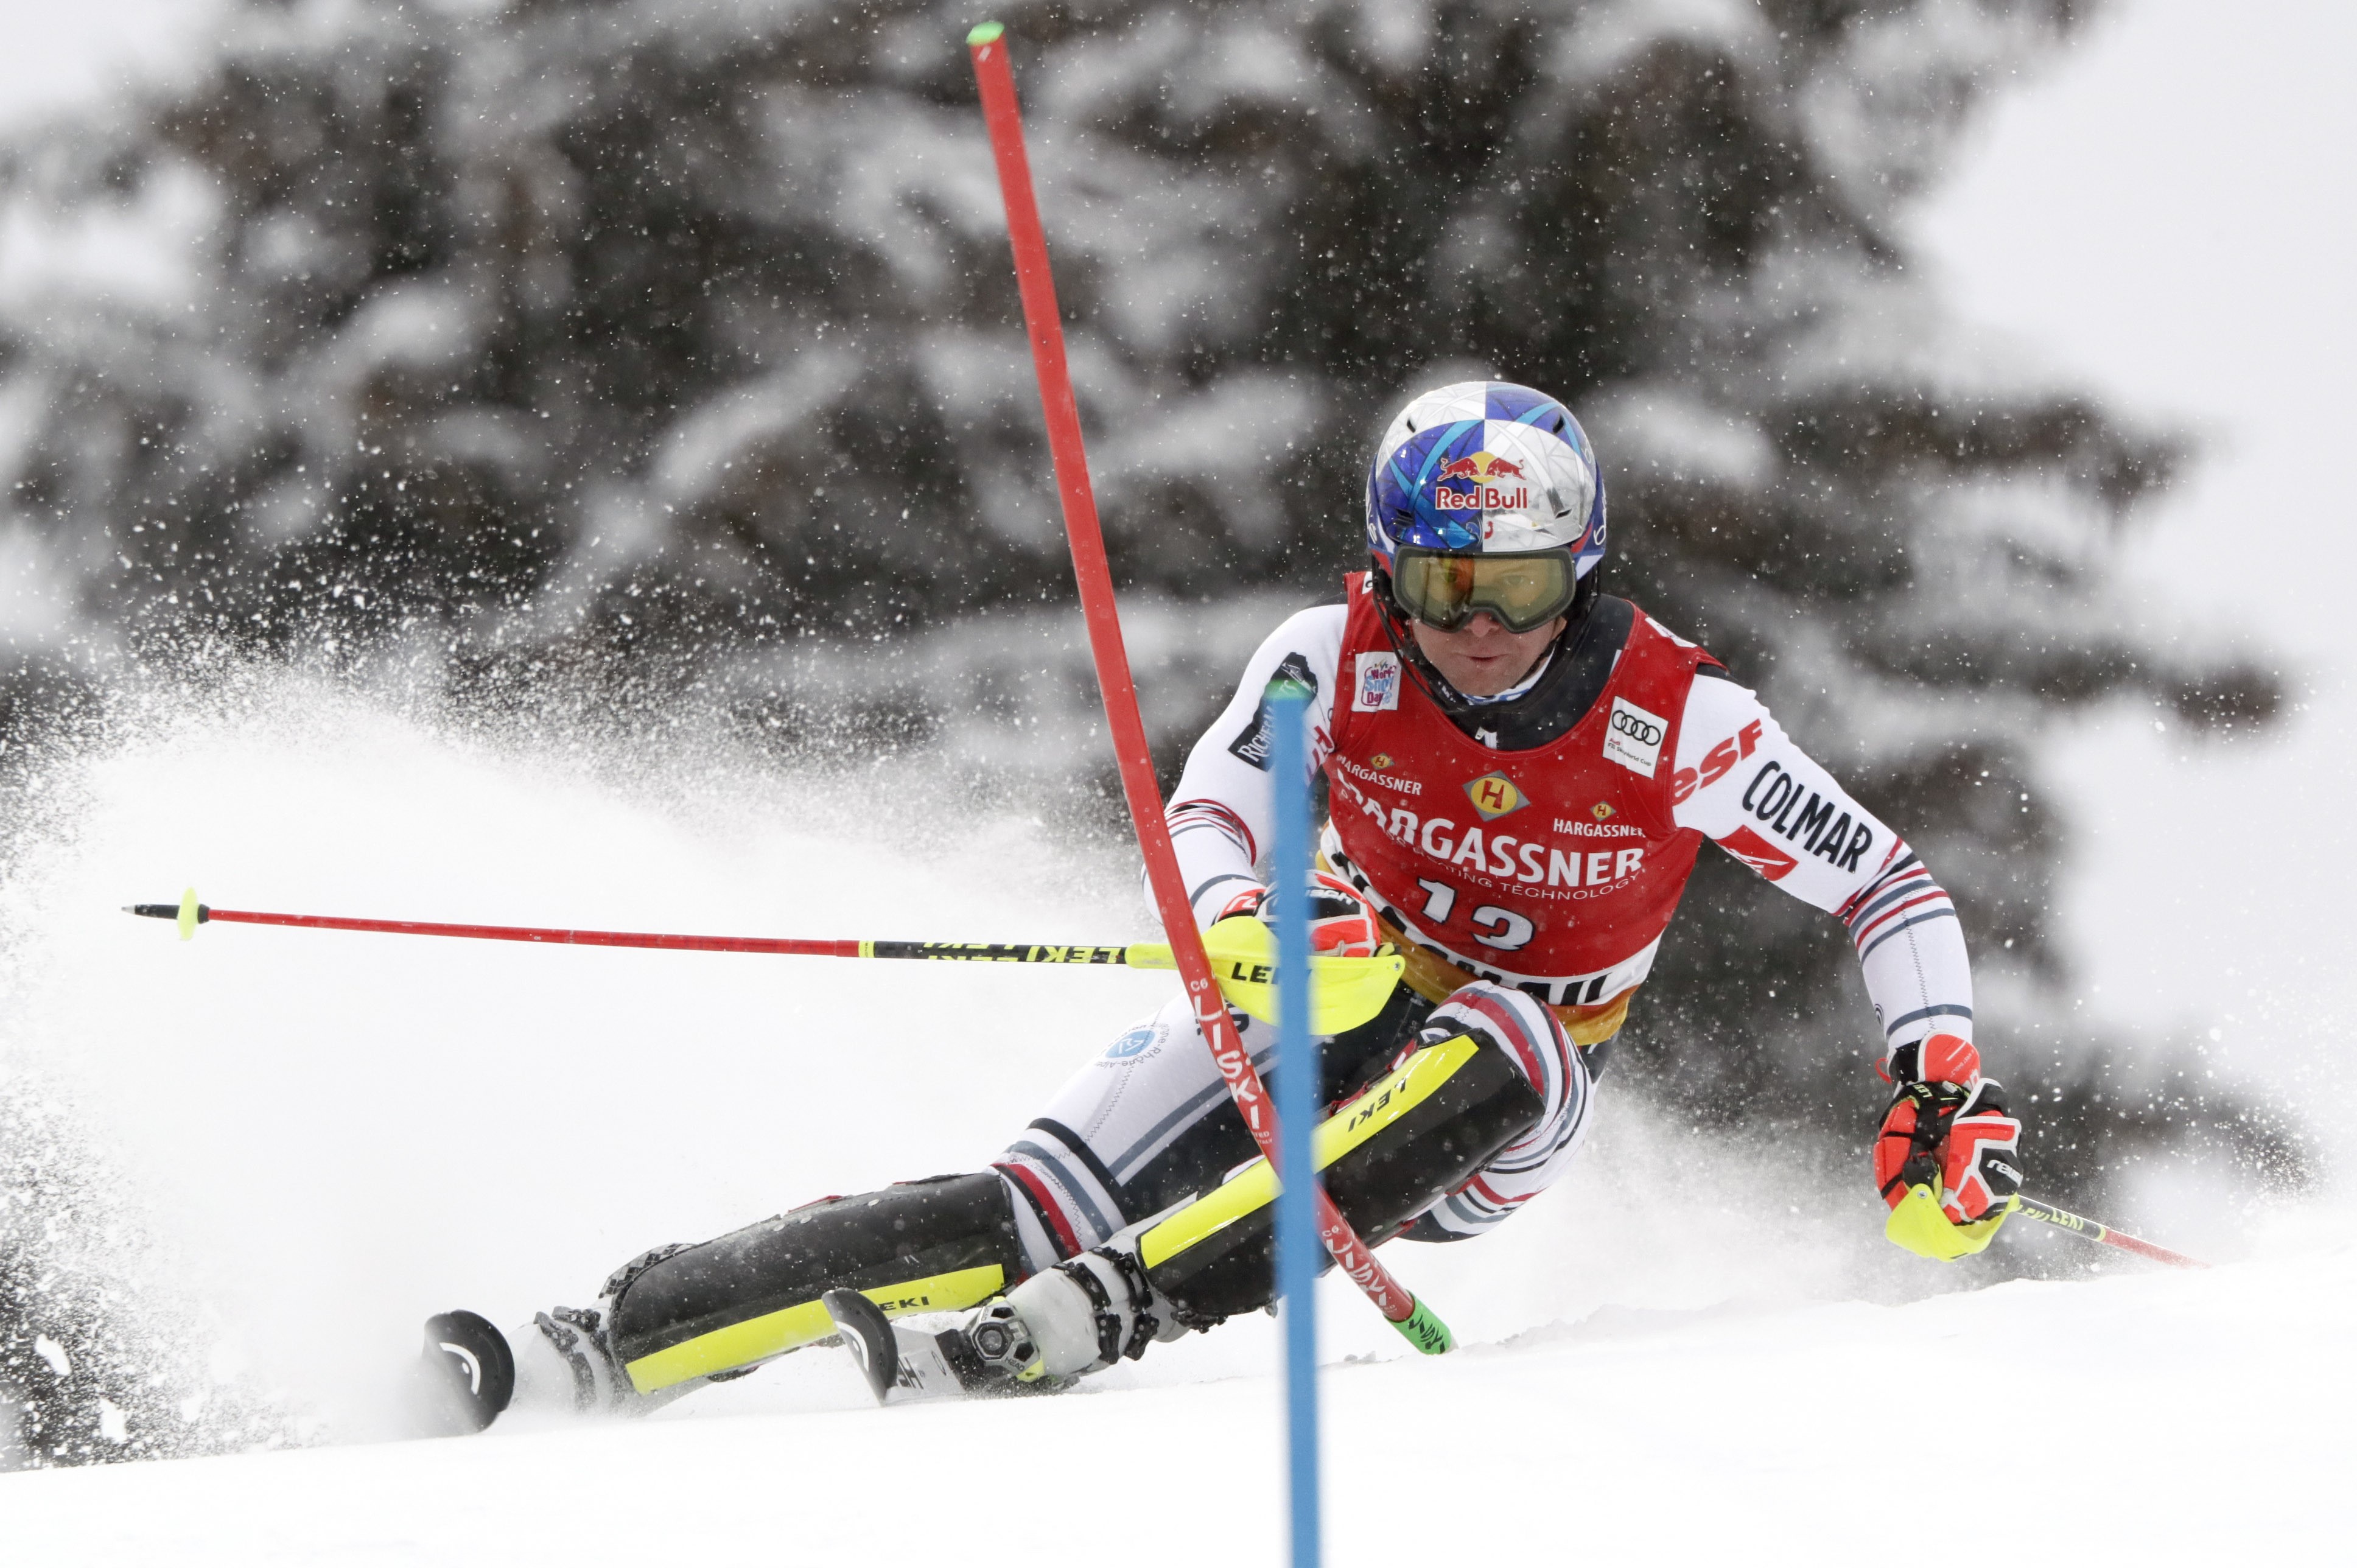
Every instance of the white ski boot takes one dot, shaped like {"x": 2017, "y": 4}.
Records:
{"x": 1042, "y": 1336}
{"x": 563, "y": 1363}
{"x": 559, "y": 1363}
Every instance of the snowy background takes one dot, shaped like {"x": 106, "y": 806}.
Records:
{"x": 2163, "y": 208}
{"x": 314, "y": 1140}
{"x": 652, "y": 369}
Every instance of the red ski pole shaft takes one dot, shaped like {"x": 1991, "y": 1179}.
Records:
{"x": 2062, "y": 1219}
{"x": 1046, "y": 329}
{"x": 812, "y": 948}
{"x": 791, "y": 947}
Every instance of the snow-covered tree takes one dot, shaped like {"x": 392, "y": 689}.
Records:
{"x": 627, "y": 332}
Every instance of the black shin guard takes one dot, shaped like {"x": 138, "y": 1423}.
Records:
{"x": 1421, "y": 1131}
{"x": 685, "y": 1312}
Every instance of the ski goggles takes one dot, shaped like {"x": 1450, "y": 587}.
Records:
{"x": 1446, "y": 591}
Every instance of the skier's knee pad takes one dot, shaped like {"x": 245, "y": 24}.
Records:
{"x": 1534, "y": 1040}
{"x": 1419, "y": 1131}
{"x": 685, "y": 1312}
{"x": 1531, "y": 1035}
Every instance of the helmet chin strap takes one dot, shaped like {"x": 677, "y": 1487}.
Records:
{"x": 1435, "y": 685}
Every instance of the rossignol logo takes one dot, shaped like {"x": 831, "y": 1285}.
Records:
{"x": 1251, "y": 746}
{"x": 1634, "y": 737}
{"x": 1480, "y": 483}
{"x": 1494, "y": 795}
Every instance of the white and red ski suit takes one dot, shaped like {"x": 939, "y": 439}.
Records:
{"x": 1527, "y": 852}
{"x": 1530, "y": 889}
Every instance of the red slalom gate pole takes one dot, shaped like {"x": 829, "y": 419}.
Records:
{"x": 1000, "y": 114}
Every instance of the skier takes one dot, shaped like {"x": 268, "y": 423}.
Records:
{"x": 1522, "y": 771}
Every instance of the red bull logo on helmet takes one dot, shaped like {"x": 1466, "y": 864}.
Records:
{"x": 1482, "y": 484}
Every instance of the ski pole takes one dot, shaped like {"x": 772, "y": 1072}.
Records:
{"x": 2062, "y": 1219}
{"x": 1037, "y": 287}
{"x": 1137, "y": 955}
{"x": 1347, "y": 992}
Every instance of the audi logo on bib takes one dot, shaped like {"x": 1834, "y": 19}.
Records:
{"x": 1644, "y": 732}
{"x": 1633, "y": 738}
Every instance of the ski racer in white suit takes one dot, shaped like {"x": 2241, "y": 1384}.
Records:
{"x": 1521, "y": 771}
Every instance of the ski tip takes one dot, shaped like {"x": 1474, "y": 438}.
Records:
{"x": 868, "y": 1335}
{"x": 464, "y": 1377}
{"x": 985, "y": 33}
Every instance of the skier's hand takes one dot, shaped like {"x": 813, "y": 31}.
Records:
{"x": 1947, "y": 1129}
{"x": 1342, "y": 923}
{"x": 1980, "y": 1170}
{"x": 1957, "y": 1141}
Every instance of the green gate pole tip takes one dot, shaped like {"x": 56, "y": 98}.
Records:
{"x": 187, "y": 914}
{"x": 983, "y": 33}
{"x": 1423, "y": 1329}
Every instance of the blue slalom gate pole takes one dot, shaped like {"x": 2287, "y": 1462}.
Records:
{"x": 1298, "y": 1248}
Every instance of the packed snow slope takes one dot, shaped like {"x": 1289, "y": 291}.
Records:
{"x": 2147, "y": 1420}
{"x": 1687, "y": 1352}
